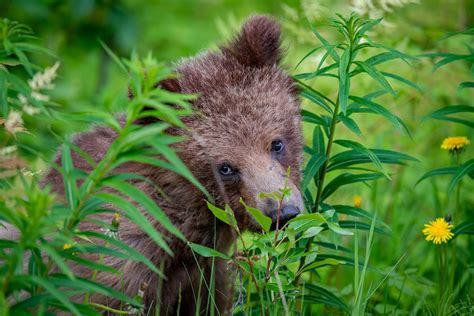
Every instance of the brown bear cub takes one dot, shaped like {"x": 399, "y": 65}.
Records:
{"x": 244, "y": 136}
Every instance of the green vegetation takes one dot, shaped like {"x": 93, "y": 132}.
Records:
{"x": 389, "y": 205}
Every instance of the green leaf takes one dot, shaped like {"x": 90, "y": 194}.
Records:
{"x": 466, "y": 85}
{"x": 363, "y": 226}
{"x": 312, "y": 168}
{"x": 463, "y": 170}
{"x": 58, "y": 260}
{"x": 363, "y": 150}
{"x": 376, "y": 75}
{"x": 311, "y": 52}
{"x": 70, "y": 187}
{"x": 136, "y": 216}
{"x": 312, "y": 231}
{"x": 322, "y": 263}
{"x": 335, "y": 227}
{"x": 264, "y": 221}
{"x": 349, "y": 158}
{"x": 403, "y": 80}
{"x": 50, "y": 288}
{"x": 350, "y": 124}
{"x": 438, "y": 172}
{"x": 91, "y": 286}
{"x": 316, "y": 99}
{"x": 442, "y": 114}
{"x": 466, "y": 228}
{"x": 344, "y": 82}
{"x": 312, "y": 118}
{"x": 144, "y": 200}
{"x": 379, "y": 109}
{"x": 207, "y": 252}
{"x": 348, "y": 178}
{"x": 330, "y": 48}
{"x": 226, "y": 217}
{"x": 323, "y": 297}
{"x": 132, "y": 253}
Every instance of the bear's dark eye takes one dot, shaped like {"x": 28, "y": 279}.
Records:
{"x": 226, "y": 170}
{"x": 277, "y": 146}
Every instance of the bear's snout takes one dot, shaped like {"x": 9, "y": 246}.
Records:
{"x": 287, "y": 212}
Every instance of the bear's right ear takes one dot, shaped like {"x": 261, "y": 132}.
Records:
{"x": 257, "y": 44}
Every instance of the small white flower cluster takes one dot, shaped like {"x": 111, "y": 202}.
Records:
{"x": 14, "y": 122}
{"x": 40, "y": 81}
{"x": 376, "y": 8}
{"x": 7, "y": 151}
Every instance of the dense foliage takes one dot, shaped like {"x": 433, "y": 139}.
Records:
{"x": 378, "y": 177}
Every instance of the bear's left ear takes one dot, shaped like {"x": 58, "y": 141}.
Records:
{"x": 258, "y": 43}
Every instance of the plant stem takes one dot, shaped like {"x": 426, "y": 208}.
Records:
{"x": 322, "y": 177}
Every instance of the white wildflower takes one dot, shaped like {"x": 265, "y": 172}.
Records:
{"x": 40, "y": 97}
{"x": 376, "y": 8}
{"x": 14, "y": 122}
{"x": 8, "y": 150}
{"x": 30, "y": 110}
{"x": 44, "y": 80}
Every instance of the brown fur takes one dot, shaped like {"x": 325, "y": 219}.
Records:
{"x": 246, "y": 102}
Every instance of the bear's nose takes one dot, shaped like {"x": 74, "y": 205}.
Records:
{"x": 286, "y": 213}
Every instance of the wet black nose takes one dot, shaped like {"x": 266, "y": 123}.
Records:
{"x": 286, "y": 213}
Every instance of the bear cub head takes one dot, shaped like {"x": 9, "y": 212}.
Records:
{"x": 246, "y": 132}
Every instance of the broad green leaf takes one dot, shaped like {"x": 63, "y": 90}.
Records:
{"x": 207, "y": 252}
{"x": 264, "y": 221}
{"x": 319, "y": 146}
{"x": 312, "y": 231}
{"x": 222, "y": 215}
{"x": 335, "y": 227}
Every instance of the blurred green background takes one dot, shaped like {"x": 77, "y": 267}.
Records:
{"x": 175, "y": 29}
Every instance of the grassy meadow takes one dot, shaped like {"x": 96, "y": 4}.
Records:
{"x": 388, "y": 121}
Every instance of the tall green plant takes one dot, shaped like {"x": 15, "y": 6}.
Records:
{"x": 35, "y": 265}
{"x": 277, "y": 270}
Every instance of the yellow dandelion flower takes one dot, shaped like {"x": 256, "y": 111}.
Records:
{"x": 438, "y": 231}
{"x": 455, "y": 143}
{"x": 357, "y": 201}
{"x": 117, "y": 216}
{"x": 67, "y": 246}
